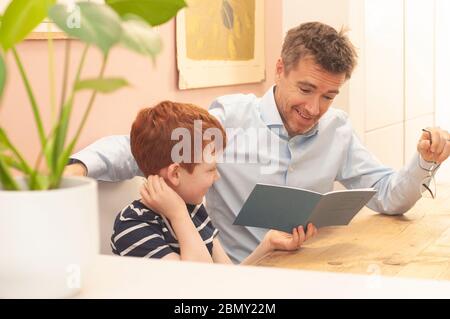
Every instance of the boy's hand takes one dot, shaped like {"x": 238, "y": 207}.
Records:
{"x": 278, "y": 240}
{"x": 160, "y": 197}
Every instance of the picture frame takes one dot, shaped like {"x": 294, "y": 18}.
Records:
{"x": 204, "y": 27}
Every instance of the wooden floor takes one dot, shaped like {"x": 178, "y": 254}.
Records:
{"x": 414, "y": 245}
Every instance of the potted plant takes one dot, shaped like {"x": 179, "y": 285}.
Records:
{"x": 49, "y": 232}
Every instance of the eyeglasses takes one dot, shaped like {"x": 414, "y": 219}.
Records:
{"x": 428, "y": 184}
{"x": 428, "y": 187}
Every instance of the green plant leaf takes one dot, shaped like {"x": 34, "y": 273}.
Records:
{"x": 105, "y": 85}
{"x": 155, "y": 12}
{"x": 57, "y": 140}
{"x": 92, "y": 23}
{"x": 20, "y": 18}
{"x": 140, "y": 37}
{"x": 40, "y": 182}
{"x": 61, "y": 164}
{"x": 6, "y": 179}
{"x": 2, "y": 74}
{"x": 49, "y": 149}
{"x": 5, "y": 144}
{"x": 10, "y": 161}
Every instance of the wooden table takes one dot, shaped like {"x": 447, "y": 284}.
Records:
{"x": 416, "y": 244}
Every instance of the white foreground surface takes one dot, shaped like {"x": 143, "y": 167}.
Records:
{"x": 127, "y": 277}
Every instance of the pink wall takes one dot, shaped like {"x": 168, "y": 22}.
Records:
{"x": 113, "y": 114}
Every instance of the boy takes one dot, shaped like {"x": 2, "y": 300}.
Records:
{"x": 170, "y": 222}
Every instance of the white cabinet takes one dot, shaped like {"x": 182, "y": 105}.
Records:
{"x": 398, "y": 66}
{"x": 384, "y": 63}
{"x": 387, "y": 145}
{"x": 419, "y": 58}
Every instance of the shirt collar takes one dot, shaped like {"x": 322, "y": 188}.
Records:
{"x": 271, "y": 116}
{"x": 269, "y": 110}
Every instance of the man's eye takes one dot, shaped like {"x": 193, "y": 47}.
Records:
{"x": 328, "y": 98}
{"x": 305, "y": 91}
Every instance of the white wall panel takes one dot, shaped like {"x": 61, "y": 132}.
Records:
{"x": 384, "y": 62}
{"x": 387, "y": 145}
{"x": 419, "y": 58}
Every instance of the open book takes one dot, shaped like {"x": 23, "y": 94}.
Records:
{"x": 284, "y": 207}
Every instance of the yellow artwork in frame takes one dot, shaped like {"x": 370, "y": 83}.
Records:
{"x": 230, "y": 20}
{"x": 220, "y": 42}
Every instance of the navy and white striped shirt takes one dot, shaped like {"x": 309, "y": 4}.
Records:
{"x": 140, "y": 232}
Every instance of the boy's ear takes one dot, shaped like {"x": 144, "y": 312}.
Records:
{"x": 173, "y": 174}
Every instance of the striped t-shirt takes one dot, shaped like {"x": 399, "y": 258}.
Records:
{"x": 140, "y": 232}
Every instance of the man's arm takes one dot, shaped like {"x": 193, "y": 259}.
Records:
{"x": 108, "y": 159}
{"x": 397, "y": 191}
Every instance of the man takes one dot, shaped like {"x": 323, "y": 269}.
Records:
{"x": 311, "y": 144}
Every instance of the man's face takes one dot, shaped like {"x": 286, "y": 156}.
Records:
{"x": 304, "y": 94}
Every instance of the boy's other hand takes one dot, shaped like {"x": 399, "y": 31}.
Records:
{"x": 160, "y": 197}
{"x": 77, "y": 169}
{"x": 279, "y": 240}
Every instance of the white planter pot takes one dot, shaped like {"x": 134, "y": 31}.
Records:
{"x": 48, "y": 239}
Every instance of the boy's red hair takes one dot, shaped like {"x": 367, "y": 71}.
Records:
{"x": 150, "y": 136}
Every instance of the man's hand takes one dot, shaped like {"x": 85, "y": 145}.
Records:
{"x": 75, "y": 170}
{"x": 160, "y": 197}
{"x": 434, "y": 145}
{"x": 278, "y": 240}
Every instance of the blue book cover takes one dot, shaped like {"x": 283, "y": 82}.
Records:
{"x": 284, "y": 207}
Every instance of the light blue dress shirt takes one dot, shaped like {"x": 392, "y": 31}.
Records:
{"x": 259, "y": 150}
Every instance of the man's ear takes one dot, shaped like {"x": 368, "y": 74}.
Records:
{"x": 173, "y": 172}
{"x": 279, "y": 68}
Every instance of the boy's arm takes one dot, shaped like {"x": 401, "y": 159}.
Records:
{"x": 157, "y": 195}
{"x": 192, "y": 247}
{"x": 260, "y": 251}
{"x": 274, "y": 240}
{"x": 219, "y": 255}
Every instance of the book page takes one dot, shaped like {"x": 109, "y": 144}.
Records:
{"x": 339, "y": 208}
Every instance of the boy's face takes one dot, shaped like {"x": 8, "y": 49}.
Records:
{"x": 193, "y": 186}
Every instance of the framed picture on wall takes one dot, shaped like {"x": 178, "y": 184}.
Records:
{"x": 220, "y": 42}
{"x": 42, "y": 30}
